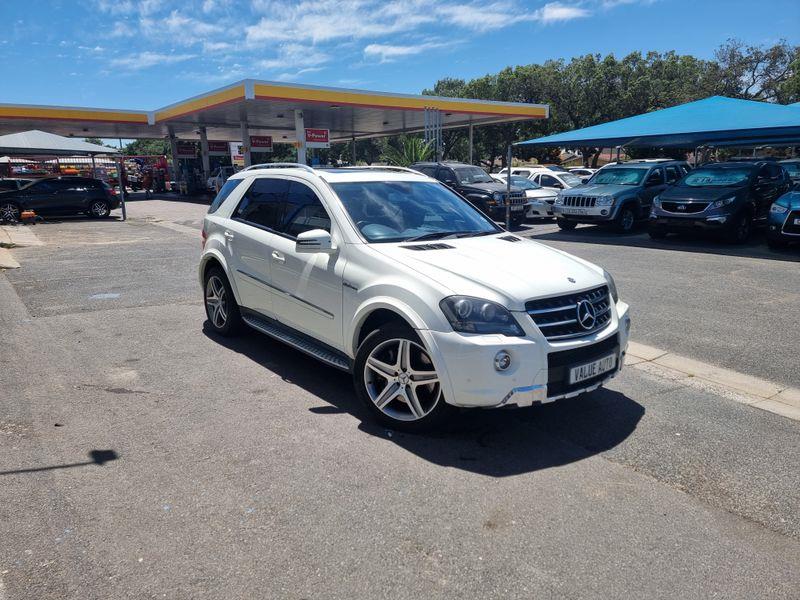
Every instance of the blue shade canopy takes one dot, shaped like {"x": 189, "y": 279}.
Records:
{"x": 714, "y": 119}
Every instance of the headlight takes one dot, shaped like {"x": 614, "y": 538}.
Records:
{"x": 474, "y": 315}
{"x": 559, "y": 201}
{"x": 604, "y": 201}
{"x": 497, "y": 196}
{"x": 657, "y": 201}
{"x": 778, "y": 209}
{"x": 612, "y": 286}
{"x": 723, "y": 202}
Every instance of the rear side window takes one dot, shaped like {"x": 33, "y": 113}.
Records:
{"x": 263, "y": 203}
{"x": 226, "y": 190}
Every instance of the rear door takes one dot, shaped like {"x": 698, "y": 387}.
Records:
{"x": 249, "y": 238}
{"x": 40, "y": 196}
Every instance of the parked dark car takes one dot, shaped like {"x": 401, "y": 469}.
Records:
{"x": 13, "y": 183}
{"x": 474, "y": 184}
{"x": 727, "y": 198}
{"x": 60, "y": 196}
{"x": 792, "y": 166}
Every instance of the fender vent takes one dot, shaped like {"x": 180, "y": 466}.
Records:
{"x": 421, "y": 247}
{"x": 509, "y": 238}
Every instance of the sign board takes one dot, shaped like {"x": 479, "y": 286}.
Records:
{"x": 261, "y": 143}
{"x": 185, "y": 149}
{"x": 317, "y": 138}
{"x": 237, "y": 154}
{"x": 218, "y": 148}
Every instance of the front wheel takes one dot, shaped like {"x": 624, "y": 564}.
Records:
{"x": 626, "y": 220}
{"x": 740, "y": 229}
{"x": 9, "y": 211}
{"x": 396, "y": 380}
{"x": 566, "y": 225}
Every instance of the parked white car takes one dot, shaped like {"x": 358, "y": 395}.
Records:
{"x": 539, "y": 202}
{"x": 552, "y": 178}
{"x": 585, "y": 173}
{"x": 219, "y": 176}
{"x": 388, "y": 274}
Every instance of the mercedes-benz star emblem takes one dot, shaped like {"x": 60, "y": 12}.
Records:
{"x": 570, "y": 279}
{"x": 586, "y": 315}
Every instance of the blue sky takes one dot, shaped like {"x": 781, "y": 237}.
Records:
{"x": 143, "y": 55}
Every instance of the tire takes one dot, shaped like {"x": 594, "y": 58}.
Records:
{"x": 657, "y": 233}
{"x": 517, "y": 221}
{"x": 395, "y": 380}
{"x": 741, "y": 228}
{"x": 99, "y": 209}
{"x": 9, "y": 211}
{"x": 222, "y": 311}
{"x": 626, "y": 219}
{"x": 565, "y": 224}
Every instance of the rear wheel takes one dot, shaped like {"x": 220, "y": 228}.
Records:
{"x": 396, "y": 380}
{"x": 626, "y": 219}
{"x": 221, "y": 308}
{"x": 99, "y": 209}
{"x": 566, "y": 225}
{"x": 9, "y": 211}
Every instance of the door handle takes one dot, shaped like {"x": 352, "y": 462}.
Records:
{"x": 228, "y": 235}
{"x": 278, "y": 257}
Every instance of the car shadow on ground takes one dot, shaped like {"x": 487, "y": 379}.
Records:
{"x": 498, "y": 443}
{"x": 204, "y": 199}
{"x": 756, "y": 247}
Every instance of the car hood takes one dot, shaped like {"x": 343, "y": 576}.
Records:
{"x": 700, "y": 194}
{"x": 790, "y": 200}
{"x": 537, "y": 194}
{"x": 495, "y": 269}
{"x": 494, "y": 186}
{"x": 603, "y": 189}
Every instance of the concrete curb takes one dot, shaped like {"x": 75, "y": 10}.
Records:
{"x": 763, "y": 394}
{"x": 19, "y": 235}
{"x": 6, "y": 260}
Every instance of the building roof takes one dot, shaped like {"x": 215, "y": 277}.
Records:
{"x": 712, "y": 120}
{"x": 41, "y": 142}
{"x": 269, "y": 108}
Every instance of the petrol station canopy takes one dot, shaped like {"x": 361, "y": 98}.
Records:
{"x": 270, "y": 108}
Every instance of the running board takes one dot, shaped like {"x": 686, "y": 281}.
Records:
{"x": 297, "y": 340}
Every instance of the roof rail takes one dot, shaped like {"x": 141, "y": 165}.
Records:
{"x": 384, "y": 168}
{"x": 279, "y": 165}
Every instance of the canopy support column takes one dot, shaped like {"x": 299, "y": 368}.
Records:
{"x": 176, "y": 163}
{"x": 353, "y": 149}
{"x": 94, "y": 168}
{"x": 508, "y": 190}
{"x": 204, "y": 154}
{"x": 433, "y": 130}
{"x": 471, "y": 161}
{"x": 300, "y": 133}
{"x": 248, "y": 157}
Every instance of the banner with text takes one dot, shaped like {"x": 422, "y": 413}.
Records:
{"x": 184, "y": 149}
{"x": 317, "y": 138}
{"x": 261, "y": 143}
{"x": 216, "y": 148}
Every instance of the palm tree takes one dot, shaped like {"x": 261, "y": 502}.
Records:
{"x": 411, "y": 150}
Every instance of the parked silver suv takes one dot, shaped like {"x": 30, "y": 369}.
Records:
{"x": 619, "y": 194}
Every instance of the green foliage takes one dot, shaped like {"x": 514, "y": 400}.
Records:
{"x": 409, "y": 149}
{"x": 147, "y": 147}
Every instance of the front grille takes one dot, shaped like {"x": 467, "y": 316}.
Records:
{"x": 557, "y": 318}
{"x": 516, "y": 198}
{"x": 559, "y": 364}
{"x": 580, "y": 201}
{"x": 688, "y": 207}
{"x": 789, "y": 226}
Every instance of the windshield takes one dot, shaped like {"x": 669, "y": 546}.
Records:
{"x": 570, "y": 179}
{"x": 557, "y": 168}
{"x": 397, "y": 211}
{"x": 716, "y": 178}
{"x": 468, "y": 175}
{"x": 618, "y": 176}
{"x": 524, "y": 183}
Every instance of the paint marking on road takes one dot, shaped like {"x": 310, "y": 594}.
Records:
{"x": 20, "y": 235}
{"x": 7, "y": 261}
{"x": 746, "y": 389}
{"x": 176, "y": 227}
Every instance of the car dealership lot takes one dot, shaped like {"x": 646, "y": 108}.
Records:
{"x": 246, "y": 469}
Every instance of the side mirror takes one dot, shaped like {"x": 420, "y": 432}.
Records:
{"x": 316, "y": 240}
{"x": 558, "y": 186}
{"x": 449, "y": 182}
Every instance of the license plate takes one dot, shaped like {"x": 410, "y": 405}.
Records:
{"x": 592, "y": 369}
{"x": 574, "y": 211}
{"x": 517, "y": 207}
{"x": 797, "y": 221}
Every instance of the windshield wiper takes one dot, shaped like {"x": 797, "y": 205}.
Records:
{"x": 438, "y": 235}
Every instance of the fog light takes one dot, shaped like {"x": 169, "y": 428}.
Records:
{"x": 502, "y": 360}
{"x": 604, "y": 212}
{"x": 717, "y": 219}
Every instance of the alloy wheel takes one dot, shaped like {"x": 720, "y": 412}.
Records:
{"x": 99, "y": 209}
{"x": 627, "y": 220}
{"x": 401, "y": 380}
{"x": 9, "y": 212}
{"x": 216, "y": 302}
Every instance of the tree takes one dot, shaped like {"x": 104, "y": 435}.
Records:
{"x": 147, "y": 147}
{"x": 756, "y": 72}
{"x": 409, "y": 151}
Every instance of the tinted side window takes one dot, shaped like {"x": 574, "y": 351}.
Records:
{"x": 303, "y": 211}
{"x": 548, "y": 181}
{"x": 655, "y": 176}
{"x": 224, "y": 192}
{"x": 43, "y": 187}
{"x": 8, "y": 185}
{"x": 445, "y": 175}
{"x": 672, "y": 174}
{"x": 775, "y": 171}
{"x": 263, "y": 203}
{"x": 430, "y": 171}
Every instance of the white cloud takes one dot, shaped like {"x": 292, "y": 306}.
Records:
{"x": 481, "y": 16}
{"x": 145, "y": 60}
{"x": 296, "y": 75}
{"x": 555, "y": 12}
{"x": 180, "y": 24}
{"x": 389, "y": 52}
{"x": 295, "y": 56}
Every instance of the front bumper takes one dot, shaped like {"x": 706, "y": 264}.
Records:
{"x": 697, "y": 223}
{"x": 783, "y": 226}
{"x": 469, "y": 379}
{"x": 539, "y": 208}
{"x": 585, "y": 214}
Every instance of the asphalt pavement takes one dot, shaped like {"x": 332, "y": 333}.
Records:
{"x": 141, "y": 456}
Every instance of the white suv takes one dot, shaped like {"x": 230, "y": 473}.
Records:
{"x": 386, "y": 273}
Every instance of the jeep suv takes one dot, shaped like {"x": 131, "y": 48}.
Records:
{"x": 474, "y": 184}
{"x": 728, "y": 198}
{"x": 390, "y": 275}
{"x": 618, "y": 195}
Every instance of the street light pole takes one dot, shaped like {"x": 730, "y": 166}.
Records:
{"x": 508, "y": 189}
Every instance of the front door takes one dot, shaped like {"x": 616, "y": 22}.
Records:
{"x": 308, "y": 286}
{"x": 654, "y": 184}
